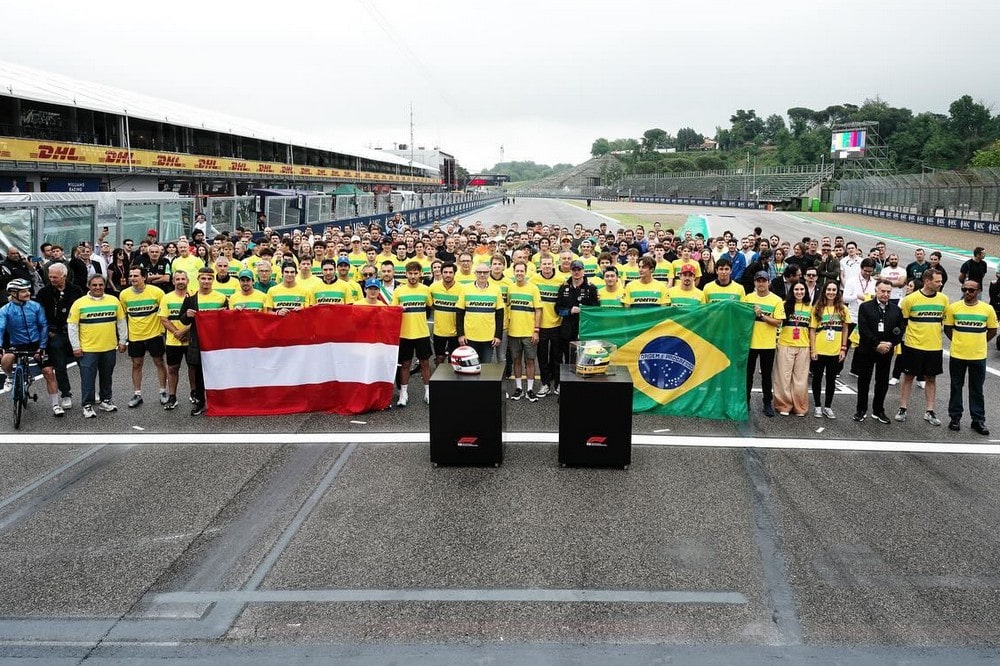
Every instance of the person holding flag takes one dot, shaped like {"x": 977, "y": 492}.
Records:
{"x": 415, "y": 336}
{"x": 769, "y": 312}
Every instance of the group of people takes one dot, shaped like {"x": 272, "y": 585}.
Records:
{"x": 515, "y": 295}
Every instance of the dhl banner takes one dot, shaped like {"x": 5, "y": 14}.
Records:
{"x": 27, "y": 150}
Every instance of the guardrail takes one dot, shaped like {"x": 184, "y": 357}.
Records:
{"x": 962, "y": 224}
{"x": 680, "y": 201}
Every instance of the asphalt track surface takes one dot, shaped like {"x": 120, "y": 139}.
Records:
{"x": 147, "y": 535}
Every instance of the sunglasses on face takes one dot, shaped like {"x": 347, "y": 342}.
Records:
{"x": 968, "y": 290}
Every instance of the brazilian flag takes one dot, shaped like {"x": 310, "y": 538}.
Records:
{"x": 684, "y": 361}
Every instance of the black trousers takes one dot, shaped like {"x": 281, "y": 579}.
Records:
{"x": 766, "y": 357}
{"x": 549, "y": 355}
{"x": 828, "y": 365}
{"x": 866, "y": 364}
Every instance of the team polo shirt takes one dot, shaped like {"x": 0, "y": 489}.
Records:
{"x": 691, "y": 264}
{"x": 639, "y": 295}
{"x": 629, "y": 272}
{"x": 464, "y": 279}
{"x": 524, "y": 300}
{"x": 609, "y": 299}
{"x": 142, "y": 311}
{"x": 234, "y": 268}
{"x": 170, "y": 308}
{"x": 376, "y": 304}
{"x": 680, "y": 296}
{"x": 279, "y": 297}
{"x": 764, "y": 335}
{"x": 309, "y": 283}
{"x": 414, "y": 301}
{"x": 480, "y": 305}
{"x": 715, "y": 292}
{"x": 358, "y": 260}
{"x": 795, "y": 328}
{"x": 504, "y": 285}
{"x": 211, "y": 301}
{"x": 399, "y": 268}
{"x": 340, "y": 292}
{"x": 970, "y": 323}
{"x": 227, "y": 288}
{"x": 829, "y": 326}
{"x": 590, "y": 266}
{"x": 445, "y": 304}
{"x": 925, "y": 318}
{"x": 189, "y": 264}
{"x": 425, "y": 267}
{"x": 254, "y": 301}
{"x": 549, "y": 290}
{"x": 664, "y": 271}
{"x": 97, "y": 319}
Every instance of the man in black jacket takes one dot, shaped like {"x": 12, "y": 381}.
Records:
{"x": 56, "y": 298}
{"x": 575, "y": 292}
{"x": 880, "y": 328}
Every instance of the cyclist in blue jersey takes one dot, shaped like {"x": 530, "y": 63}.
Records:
{"x": 23, "y": 327}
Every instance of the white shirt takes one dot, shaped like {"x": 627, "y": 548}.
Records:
{"x": 894, "y": 274}
{"x": 850, "y": 268}
{"x": 855, "y": 290}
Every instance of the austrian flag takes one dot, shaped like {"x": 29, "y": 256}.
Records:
{"x": 334, "y": 358}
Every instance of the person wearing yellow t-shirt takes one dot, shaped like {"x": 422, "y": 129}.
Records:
{"x": 722, "y": 288}
{"x": 828, "y": 333}
{"x": 332, "y": 289}
{"x": 175, "y": 347}
{"x": 792, "y": 358}
{"x": 970, "y": 324}
{"x": 186, "y": 260}
{"x": 247, "y": 298}
{"x": 306, "y": 279}
{"x": 480, "y": 314}
{"x": 516, "y": 256}
{"x": 145, "y": 332}
{"x": 922, "y": 342}
{"x": 288, "y": 294}
{"x": 465, "y": 275}
{"x": 686, "y": 261}
{"x": 589, "y": 259}
{"x": 357, "y": 257}
{"x": 373, "y": 296}
{"x": 646, "y": 292}
{"x": 548, "y": 283}
{"x": 497, "y": 265}
{"x": 664, "y": 270}
{"x": 685, "y": 293}
{"x": 525, "y": 325}
{"x": 205, "y": 299}
{"x": 96, "y": 327}
{"x": 415, "y": 335}
{"x": 610, "y": 295}
{"x": 399, "y": 262}
{"x": 630, "y": 269}
{"x": 769, "y": 312}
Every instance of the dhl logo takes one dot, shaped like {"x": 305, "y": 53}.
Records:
{"x": 239, "y": 166}
{"x": 168, "y": 161}
{"x": 287, "y": 170}
{"x": 320, "y": 172}
{"x": 62, "y": 153}
{"x": 206, "y": 163}
{"x": 118, "y": 157}
{"x": 5, "y": 153}
{"x": 306, "y": 171}
{"x": 265, "y": 168}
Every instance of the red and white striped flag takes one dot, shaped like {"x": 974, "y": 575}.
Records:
{"x": 336, "y": 358}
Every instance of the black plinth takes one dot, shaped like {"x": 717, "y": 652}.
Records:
{"x": 468, "y": 415}
{"x": 595, "y": 419}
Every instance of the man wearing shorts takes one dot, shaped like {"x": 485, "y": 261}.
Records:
{"x": 523, "y": 331}
{"x": 414, "y": 336}
{"x": 176, "y": 343}
{"x": 145, "y": 332}
{"x": 922, "y": 356}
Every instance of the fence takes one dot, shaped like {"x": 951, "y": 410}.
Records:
{"x": 972, "y": 194}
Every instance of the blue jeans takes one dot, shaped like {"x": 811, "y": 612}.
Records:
{"x": 977, "y": 378}
{"x": 94, "y": 365}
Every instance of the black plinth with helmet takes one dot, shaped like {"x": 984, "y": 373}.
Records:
{"x": 595, "y": 418}
{"x": 468, "y": 414}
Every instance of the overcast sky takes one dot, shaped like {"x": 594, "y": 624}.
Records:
{"x": 542, "y": 79}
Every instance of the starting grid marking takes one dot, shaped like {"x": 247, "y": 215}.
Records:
{"x": 989, "y": 447}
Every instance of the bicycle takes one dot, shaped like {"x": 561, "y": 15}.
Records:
{"x": 21, "y": 390}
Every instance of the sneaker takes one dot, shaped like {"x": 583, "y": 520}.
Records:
{"x": 57, "y": 410}
{"x": 531, "y": 396}
{"x": 859, "y": 416}
{"x": 135, "y": 401}
{"x": 932, "y": 418}
{"x": 517, "y": 394}
{"x": 88, "y": 412}
{"x": 193, "y": 400}
{"x": 768, "y": 411}
{"x": 784, "y": 413}
{"x": 164, "y": 397}
{"x": 818, "y": 412}
{"x": 171, "y": 403}
{"x": 981, "y": 428}
{"x": 921, "y": 383}
{"x": 901, "y": 414}
{"x": 427, "y": 398}
{"x": 198, "y": 409}
{"x": 882, "y": 417}
{"x": 828, "y": 413}
{"x": 543, "y": 391}
{"x": 955, "y": 425}
{"x": 555, "y": 389}
{"x": 800, "y": 414}
{"x": 66, "y": 402}
{"x": 893, "y": 381}
{"x": 403, "y": 399}
{"x": 107, "y": 406}
{"x": 8, "y": 384}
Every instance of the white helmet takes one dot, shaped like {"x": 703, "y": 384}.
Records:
{"x": 465, "y": 360}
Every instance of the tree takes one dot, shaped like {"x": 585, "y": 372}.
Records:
{"x": 746, "y": 127}
{"x": 709, "y": 163}
{"x": 724, "y": 138}
{"x": 655, "y": 138}
{"x": 679, "y": 164}
{"x": 630, "y": 145}
{"x": 600, "y": 147}
{"x": 970, "y": 120}
{"x": 772, "y": 126}
{"x": 687, "y": 138}
{"x": 801, "y": 119}
{"x": 988, "y": 157}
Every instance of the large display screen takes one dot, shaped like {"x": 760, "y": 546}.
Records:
{"x": 847, "y": 144}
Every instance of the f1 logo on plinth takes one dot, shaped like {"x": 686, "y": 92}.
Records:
{"x": 597, "y": 441}
{"x": 468, "y": 442}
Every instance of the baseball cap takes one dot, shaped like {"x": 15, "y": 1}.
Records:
{"x": 151, "y": 232}
{"x": 371, "y": 282}
{"x": 343, "y": 260}
{"x": 761, "y": 275}
{"x": 688, "y": 268}
{"x": 355, "y": 239}
{"x": 576, "y": 264}
{"x": 245, "y": 274}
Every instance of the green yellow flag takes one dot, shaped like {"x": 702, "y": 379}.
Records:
{"x": 684, "y": 361}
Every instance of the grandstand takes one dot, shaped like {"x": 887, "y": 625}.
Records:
{"x": 770, "y": 184}
{"x": 574, "y": 181}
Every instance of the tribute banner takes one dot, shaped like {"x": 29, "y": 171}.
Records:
{"x": 330, "y": 358}
{"x": 684, "y": 361}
